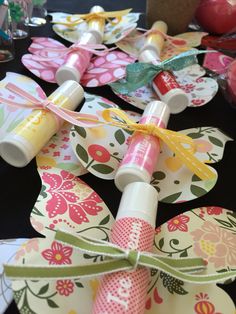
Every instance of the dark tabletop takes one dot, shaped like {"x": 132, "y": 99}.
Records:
{"x": 21, "y": 186}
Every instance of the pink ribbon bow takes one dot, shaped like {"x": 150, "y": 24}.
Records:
{"x": 96, "y": 49}
{"x": 46, "y": 104}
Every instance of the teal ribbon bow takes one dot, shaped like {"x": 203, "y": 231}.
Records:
{"x": 140, "y": 74}
{"x": 117, "y": 259}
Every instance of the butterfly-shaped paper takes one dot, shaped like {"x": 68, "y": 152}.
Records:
{"x": 113, "y": 32}
{"x": 133, "y": 43}
{"x": 101, "y": 150}
{"x": 8, "y": 250}
{"x": 101, "y": 70}
{"x": 58, "y": 151}
{"x": 199, "y": 232}
{"x": 200, "y": 90}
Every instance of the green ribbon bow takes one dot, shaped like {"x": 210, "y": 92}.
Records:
{"x": 117, "y": 259}
{"x": 140, "y": 74}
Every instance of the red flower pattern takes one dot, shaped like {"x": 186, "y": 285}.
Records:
{"x": 197, "y": 101}
{"x": 99, "y": 153}
{"x": 178, "y": 223}
{"x": 214, "y": 210}
{"x": 58, "y": 254}
{"x": 65, "y": 287}
{"x": 63, "y": 199}
{"x": 204, "y": 306}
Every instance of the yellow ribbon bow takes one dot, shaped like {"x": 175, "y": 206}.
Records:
{"x": 75, "y": 19}
{"x": 172, "y": 139}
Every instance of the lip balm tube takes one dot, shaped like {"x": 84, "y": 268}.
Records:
{"x": 164, "y": 84}
{"x": 141, "y": 157}
{"x": 126, "y": 291}
{"x": 77, "y": 62}
{"x": 24, "y": 142}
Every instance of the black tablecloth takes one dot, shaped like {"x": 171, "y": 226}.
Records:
{"x": 20, "y": 186}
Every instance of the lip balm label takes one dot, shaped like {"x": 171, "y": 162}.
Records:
{"x": 143, "y": 152}
{"x": 123, "y": 292}
{"x": 43, "y": 119}
{"x": 79, "y": 60}
{"x": 165, "y": 82}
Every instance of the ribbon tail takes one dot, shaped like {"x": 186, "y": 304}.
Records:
{"x": 56, "y": 272}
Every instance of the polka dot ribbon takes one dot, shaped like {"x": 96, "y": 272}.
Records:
{"x": 116, "y": 259}
{"x": 181, "y": 145}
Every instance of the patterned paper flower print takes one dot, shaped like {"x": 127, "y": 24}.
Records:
{"x": 65, "y": 287}
{"x": 188, "y": 88}
{"x": 197, "y": 101}
{"x": 63, "y": 199}
{"x": 60, "y": 190}
{"x": 178, "y": 223}
{"x": 99, "y": 153}
{"x": 27, "y": 247}
{"x": 58, "y": 254}
{"x": 204, "y": 306}
{"x": 213, "y": 210}
{"x": 16, "y": 12}
{"x": 215, "y": 244}
{"x": 203, "y": 146}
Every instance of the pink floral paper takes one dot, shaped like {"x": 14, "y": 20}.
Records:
{"x": 200, "y": 232}
{"x": 100, "y": 151}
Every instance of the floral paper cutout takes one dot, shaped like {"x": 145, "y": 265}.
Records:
{"x": 100, "y": 149}
{"x": 180, "y": 237}
{"x": 112, "y": 33}
{"x": 58, "y": 151}
{"x": 101, "y": 70}
{"x": 8, "y": 250}
{"x": 12, "y": 116}
{"x": 200, "y": 231}
{"x": 133, "y": 43}
{"x": 61, "y": 191}
{"x": 102, "y": 154}
{"x": 200, "y": 90}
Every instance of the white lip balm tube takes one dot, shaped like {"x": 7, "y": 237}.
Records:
{"x": 164, "y": 84}
{"x": 126, "y": 291}
{"x": 141, "y": 157}
{"x": 24, "y": 142}
{"x": 77, "y": 62}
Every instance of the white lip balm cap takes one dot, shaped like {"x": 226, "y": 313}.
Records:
{"x": 17, "y": 151}
{"x": 176, "y": 99}
{"x": 73, "y": 91}
{"x": 158, "y": 109}
{"x": 139, "y": 199}
{"x": 65, "y": 73}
